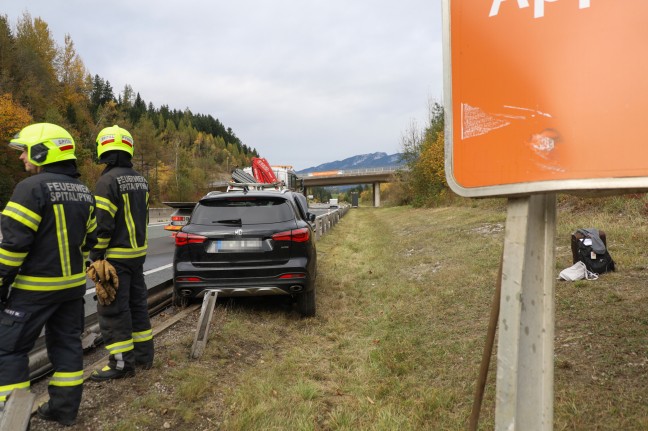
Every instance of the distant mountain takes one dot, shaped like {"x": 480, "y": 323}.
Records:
{"x": 364, "y": 161}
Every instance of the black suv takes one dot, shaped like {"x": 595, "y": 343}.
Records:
{"x": 248, "y": 243}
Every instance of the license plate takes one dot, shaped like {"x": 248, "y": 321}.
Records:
{"x": 234, "y": 245}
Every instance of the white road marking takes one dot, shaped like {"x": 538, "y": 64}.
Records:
{"x": 160, "y": 268}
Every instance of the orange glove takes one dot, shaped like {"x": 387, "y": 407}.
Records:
{"x": 105, "y": 278}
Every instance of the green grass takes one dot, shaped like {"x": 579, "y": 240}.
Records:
{"x": 404, "y": 297}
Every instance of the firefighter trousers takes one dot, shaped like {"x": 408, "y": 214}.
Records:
{"x": 124, "y": 323}
{"x": 21, "y": 322}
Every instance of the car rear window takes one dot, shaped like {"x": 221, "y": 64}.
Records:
{"x": 245, "y": 211}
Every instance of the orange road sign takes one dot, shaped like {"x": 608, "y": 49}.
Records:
{"x": 545, "y": 95}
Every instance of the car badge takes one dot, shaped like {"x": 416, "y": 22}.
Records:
{"x": 238, "y": 232}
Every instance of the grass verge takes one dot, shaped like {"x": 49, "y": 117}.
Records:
{"x": 403, "y": 302}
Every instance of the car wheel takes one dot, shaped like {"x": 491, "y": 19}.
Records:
{"x": 179, "y": 301}
{"x": 306, "y": 303}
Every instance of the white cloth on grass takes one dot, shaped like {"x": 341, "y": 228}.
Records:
{"x": 577, "y": 271}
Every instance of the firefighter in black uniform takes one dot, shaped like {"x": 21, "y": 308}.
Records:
{"x": 48, "y": 228}
{"x": 122, "y": 197}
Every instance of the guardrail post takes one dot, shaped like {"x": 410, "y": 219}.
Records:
{"x": 318, "y": 228}
{"x": 325, "y": 222}
{"x": 206, "y": 313}
{"x": 17, "y": 411}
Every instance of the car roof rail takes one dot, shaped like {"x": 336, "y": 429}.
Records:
{"x": 232, "y": 186}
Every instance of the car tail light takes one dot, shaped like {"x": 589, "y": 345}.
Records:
{"x": 295, "y": 235}
{"x": 178, "y": 218}
{"x": 301, "y": 235}
{"x": 183, "y": 238}
{"x": 189, "y": 279}
{"x": 293, "y": 275}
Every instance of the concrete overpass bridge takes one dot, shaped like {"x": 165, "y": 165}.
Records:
{"x": 342, "y": 177}
{"x": 350, "y": 177}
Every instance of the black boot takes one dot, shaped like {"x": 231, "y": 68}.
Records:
{"x": 45, "y": 413}
{"x": 108, "y": 373}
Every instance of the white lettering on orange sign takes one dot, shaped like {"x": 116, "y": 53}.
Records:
{"x": 538, "y": 6}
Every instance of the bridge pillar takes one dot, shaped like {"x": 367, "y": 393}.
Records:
{"x": 376, "y": 194}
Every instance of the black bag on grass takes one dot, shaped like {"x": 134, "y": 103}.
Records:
{"x": 598, "y": 261}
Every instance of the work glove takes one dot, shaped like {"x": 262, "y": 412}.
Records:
{"x": 105, "y": 278}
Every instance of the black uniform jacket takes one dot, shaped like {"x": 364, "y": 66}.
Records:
{"x": 48, "y": 228}
{"x": 122, "y": 197}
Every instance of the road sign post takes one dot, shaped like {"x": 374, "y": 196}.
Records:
{"x": 524, "y": 393}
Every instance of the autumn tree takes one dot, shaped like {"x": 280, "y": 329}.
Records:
{"x": 72, "y": 75}
{"x": 147, "y": 154}
{"x": 101, "y": 93}
{"x": 7, "y": 48}
{"x": 423, "y": 152}
{"x": 13, "y": 118}
{"x": 36, "y": 79}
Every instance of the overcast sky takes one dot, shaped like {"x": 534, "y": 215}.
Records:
{"x": 305, "y": 82}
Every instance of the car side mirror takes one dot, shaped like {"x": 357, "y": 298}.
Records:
{"x": 311, "y": 217}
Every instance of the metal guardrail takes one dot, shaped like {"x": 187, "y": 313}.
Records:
{"x": 160, "y": 215}
{"x": 325, "y": 222}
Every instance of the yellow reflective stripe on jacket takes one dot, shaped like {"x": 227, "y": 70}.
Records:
{"x": 147, "y": 218}
{"x": 128, "y": 219}
{"x": 47, "y": 284}
{"x": 120, "y": 347}
{"x": 102, "y": 243}
{"x": 62, "y": 237}
{"x": 6, "y": 390}
{"x": 126, "y": 253}
{"x": 91, "y": 224}
{"x": 22, "y": 215}
{"x": 139, "y": 337}
{"x": 74, "y": 378}
{"x": 11, "y": 258}
{"x": 106, "y": 205}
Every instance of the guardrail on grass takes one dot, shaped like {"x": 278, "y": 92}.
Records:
{"x": 325, "y": 222}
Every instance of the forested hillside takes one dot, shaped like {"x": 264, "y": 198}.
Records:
{"x": 178, "y": 151}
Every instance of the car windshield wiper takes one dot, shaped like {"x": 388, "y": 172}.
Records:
{"x": 236, "y": 221}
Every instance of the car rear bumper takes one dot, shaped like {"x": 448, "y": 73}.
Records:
{"x": 192, "y": 291}
{"x": 192, "y": 282}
